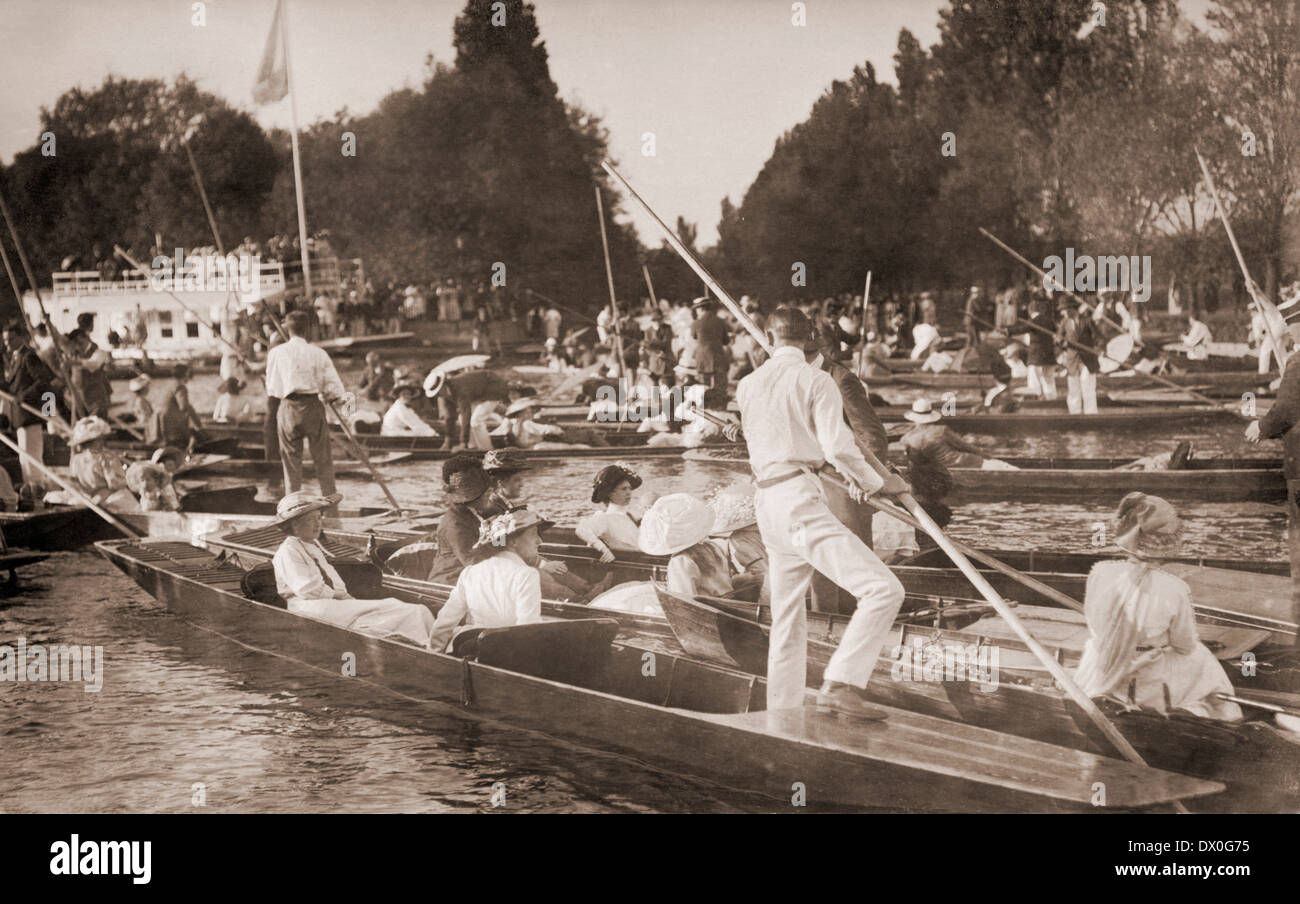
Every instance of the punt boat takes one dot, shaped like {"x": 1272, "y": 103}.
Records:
{"x": 575, "y": 680}
{"x": 1094, "y": 479}
{"x": 1259, "y": 763}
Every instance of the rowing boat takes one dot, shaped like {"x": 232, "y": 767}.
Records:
{"x": 664, "y": 709}
{"x": 1093, "y": 479}
{"x": 1225, "y": 383}
{"x": 953, "y": 672}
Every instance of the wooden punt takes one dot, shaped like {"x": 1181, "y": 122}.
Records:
{"x": 1147, "y": 418}
{"x": 1259, "y": 764}
{"x": 1227, "y": 383}
{"x": 685, "y": 715}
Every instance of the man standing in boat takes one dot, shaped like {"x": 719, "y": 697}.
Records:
{"x": 1283, "y": 420}
{"x": 29, "y": 380}
{"x": 795, "y": 421}
{"x": 299, "y": 374}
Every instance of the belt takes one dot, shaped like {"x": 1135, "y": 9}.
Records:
{"x": 773, "y": 481}
{"x": 302, "y": 396}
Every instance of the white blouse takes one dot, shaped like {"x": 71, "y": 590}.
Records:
{"x": 614, "y": 527}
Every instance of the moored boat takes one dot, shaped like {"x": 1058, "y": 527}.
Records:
{"x": 681, "y": 713}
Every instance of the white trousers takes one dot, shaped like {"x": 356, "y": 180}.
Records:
{"x": 1082, "y": 395}
{"x": 1042, "y": 380}
{"x": 1266, "y": 355}
{"x": 802, "y": 536}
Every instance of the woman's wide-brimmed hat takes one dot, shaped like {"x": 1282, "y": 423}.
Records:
{"x": 295, "y": 505}
{"x": 139, "y": 383}
{"x": 610, "y": 477}
{"x": 404, "y": 386}
{"x": 466, "y": 486}
{"x": 674, "y": 523}
{"x": 519, "y": 406}
{"x": 733, "y": 509}
{"x": 1147, "y": 527}
{"x": 922, "y": 412}
{"x": 88, "y": 429}
{"x": 503, "y": 463}
{"x": 496, "y": 532}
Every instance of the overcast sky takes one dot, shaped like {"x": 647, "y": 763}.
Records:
{"x": 716, "y": 81}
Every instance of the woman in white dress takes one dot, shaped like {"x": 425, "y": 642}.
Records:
{"x": 401, "y": 419}
{"x": 1142, "y": 629}
{"x": 615, "y": 527}
{"x": 310, "y": 585}
{"x": 678, "y": 525}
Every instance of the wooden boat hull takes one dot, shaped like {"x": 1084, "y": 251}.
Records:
{"x": 1037, "y": 421}
{"x": 680, "y": 713}
{"x": 1260, "y": 765}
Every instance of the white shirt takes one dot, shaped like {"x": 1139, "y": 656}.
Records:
{"x": 528, "y": 433}
{"x": 481, "y": 421}
{"x": 298, "y": 366}
{"x": 794, "y": 417}
{"x": 924, "y": 335}
{"x": 401, "y": 420}
{"x": 499, "y": 592}
{"x": 301, "y": 569}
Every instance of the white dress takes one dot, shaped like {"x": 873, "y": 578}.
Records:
{"x": 401, "y": 420}
{"x": 311, "y": 586}
{"x": 1142, "y": 631}
{"x": 614, "y": 527}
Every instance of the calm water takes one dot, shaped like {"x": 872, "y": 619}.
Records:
{"x": 180, "y": 706}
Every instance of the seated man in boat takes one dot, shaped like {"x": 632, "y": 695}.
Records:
{"x": 527, "y": 429}
{"x": 310, "y": 585}
{"x": 1142, "y": 643}
{"x": 377, "y": 381}
{"x": 100, "y": 471}
{"x": 678, "y": 526}
{"x": 401, "y": 419}
{"x": 501, "y": 586}
{"x": 1197, "y": 339}
{"x": 947, "y": 446}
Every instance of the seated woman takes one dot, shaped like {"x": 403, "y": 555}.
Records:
{"x": 1142, "y": 630}
{"x": 100, "y": 471}
{"x": 1197, "y": 339}
{"x": 311, "y": 586}
{"x": 614, "y": 527}
{"x": 678, "y": 525}
{"x": 178, "y": 424}
{"x": 401, "y": 419}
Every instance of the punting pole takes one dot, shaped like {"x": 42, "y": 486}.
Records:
{"x": 973, "y": 575}
{"x": 1156, "y": 377}
{"x": 60, "y": 353}
{"x": 613, "y": 301}
{"x": 90, "y": 503}
{"x": 57, "y": 421}
{"x": 645, "y": 270}
{"x": 862, "y": 327}
{"x": 1279, "y": 349}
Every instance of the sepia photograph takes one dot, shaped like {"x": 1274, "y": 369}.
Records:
{"x": 843, "y": 407}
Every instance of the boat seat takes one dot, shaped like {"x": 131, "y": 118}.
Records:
{"x": 363, "y": 580}
{"x": 572, "y": 651}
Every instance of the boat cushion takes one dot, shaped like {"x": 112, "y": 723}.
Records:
{"x": 258, "y": 585}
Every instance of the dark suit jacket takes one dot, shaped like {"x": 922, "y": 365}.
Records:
{"x": 711, "y": 337}
{"x": 1282, "y": 419}
{"x": 868, "y": 431}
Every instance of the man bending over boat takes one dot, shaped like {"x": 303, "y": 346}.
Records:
{"x": 310, "y": 585}
{"x": 796, "y": 427}
{"x": 1142, "y": 643}
{"x": 501, "y": 587}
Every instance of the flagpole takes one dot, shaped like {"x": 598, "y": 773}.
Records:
{"x": 297, "y": 160}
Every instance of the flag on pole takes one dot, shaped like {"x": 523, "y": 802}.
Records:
{"x": 273, "y": 74}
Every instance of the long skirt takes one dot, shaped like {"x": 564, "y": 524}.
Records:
{"x": 388, "y": 618}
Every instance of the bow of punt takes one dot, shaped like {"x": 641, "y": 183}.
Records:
{"x": 681, "y": 713}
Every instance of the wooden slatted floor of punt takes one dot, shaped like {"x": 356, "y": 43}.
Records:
{"x": 268, "y": 539}
{"x": 968, "y": 752}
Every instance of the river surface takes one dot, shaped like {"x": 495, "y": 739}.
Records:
{"x": 184, "y": 714}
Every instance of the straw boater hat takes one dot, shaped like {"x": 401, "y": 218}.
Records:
{"x": 519, "y": 406}
{"x": 88, "y": 429}
{"x": 162, "y": 454}
{"x": 610, "y": 477}
{"x": 1147, "y": 527}
{"x": 496, "y": 532}
{"x": 300, "y": 503}
{"x": 434, "y": 382}
{"x": 922, "y": 412}
{"x": 503, "y": 463}
{"x": 466, "y": 486}
{"x": 702, "y": 301}
{"x": 674, "y": 523}
{"x": 139, "y": 383}
{"x": 733, "y": 509}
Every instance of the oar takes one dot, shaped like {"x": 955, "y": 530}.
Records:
{"x": 986, "y": 590}
{"x": 86, "y": 500}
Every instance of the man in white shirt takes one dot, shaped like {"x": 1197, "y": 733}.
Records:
{"x": 503, "y": 588}
{"x": 299, "y": 374}
{"x": 794, "y": 427}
